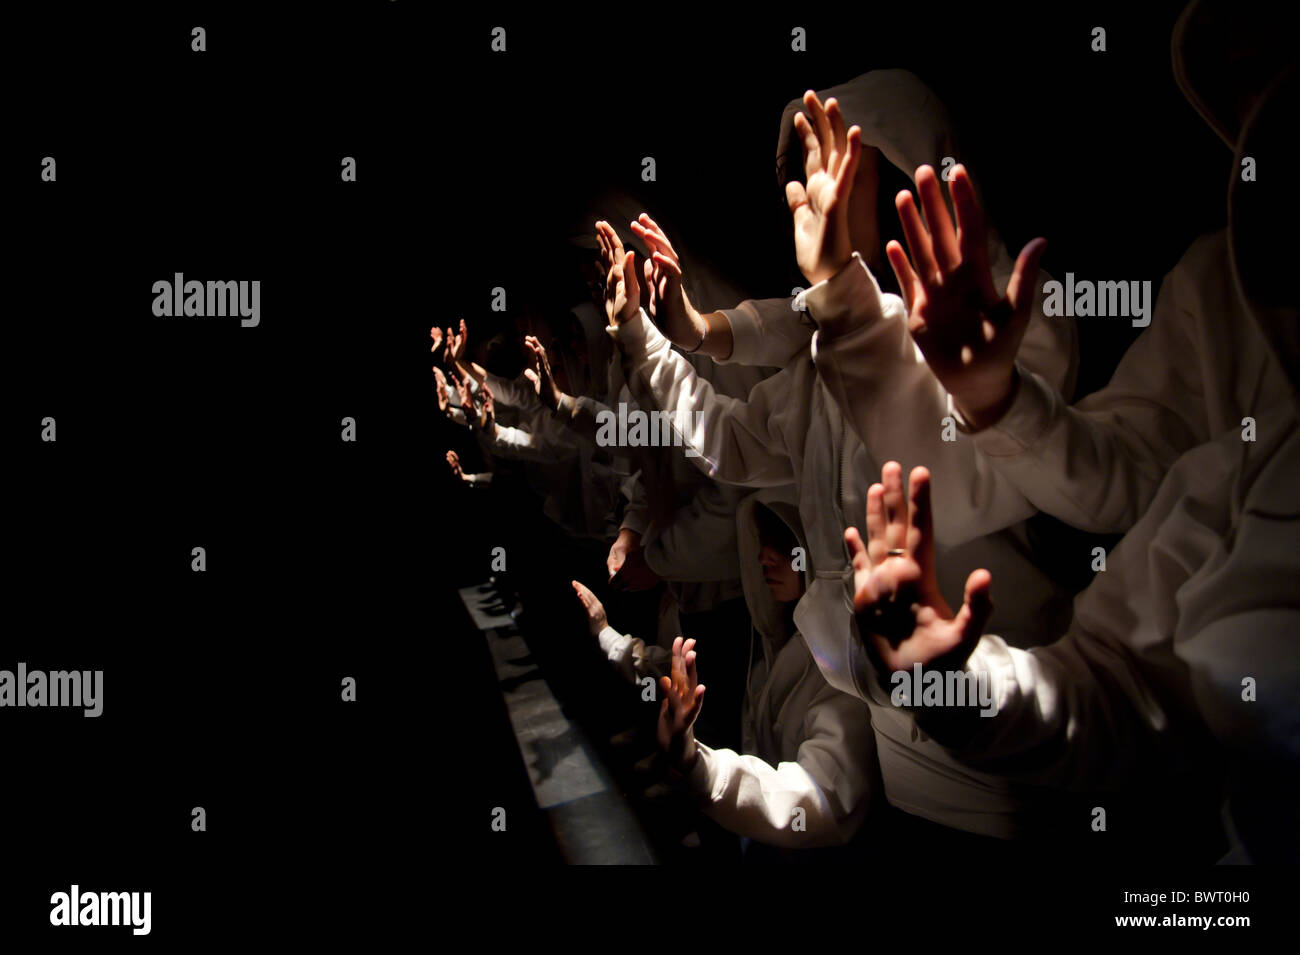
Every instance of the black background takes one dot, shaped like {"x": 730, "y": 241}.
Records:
{"x": 328, "y": 559}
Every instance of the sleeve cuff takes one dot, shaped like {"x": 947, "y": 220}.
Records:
{"x": 633, "y": 335}
{"x": 750, "y": 334}
{"x": 848, "y": 298}
{"x": 1031, "y": 414}
{"x": 609, "y": 639}
{"x": 699, "y": 780}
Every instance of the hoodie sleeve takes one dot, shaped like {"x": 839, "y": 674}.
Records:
{"x": 1097, "y": 465}
{"x": 514, "y": 393}
{"x": 830, "y": 781}
{"x": 456, "y": 414}
{"x": 881, "y": 383}
{"x": 1157, "y": 643}
{"x": 632, "y": 658}
{"x": 636, "y": 516}
{"x": 766, "y": 332}
{"x": 582, "y": 415}
{"x": 524, "y": 445}
{"x": 737, "y": 442}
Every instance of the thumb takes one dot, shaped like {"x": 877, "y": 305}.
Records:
{"x": 1020, "y": 290}
{"x": 532, "y": 377}
{"x": 795, "y": 196}
{"x": 975, "y": 612}
{"x": 629, "y": 276}
{"x": 857, "y": 550}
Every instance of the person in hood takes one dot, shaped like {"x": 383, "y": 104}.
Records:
{"x": 1202, "y": 366}
{"x": 1184, "y": 650}
{"x": 797, "y": 427}
{"x": 808, "y": 775}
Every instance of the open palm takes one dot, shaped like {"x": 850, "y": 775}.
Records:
{"x": 902, "y": 616}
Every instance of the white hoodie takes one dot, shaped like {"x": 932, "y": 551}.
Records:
{"x": 806, "y": 426}
{"x": 808, "y": 774}
{"x": 1194, "y": 623}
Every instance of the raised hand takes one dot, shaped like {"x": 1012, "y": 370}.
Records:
{"x": 543, "y": 382}
{"x": 634, "y": 573}
{"x": 487, "y": 414}
{"x": 453, "y": 461}
{"x": 457, "y": 344}
{"x": 902, "y": 616}
{"x": 683, "y": 697}
{"x": 436, "y": 334}
{"x": 440, "y": 381}
{"x": 466, "y": 399}
{"x": 968, "y": 332}
{"x": 628, "y": 540}
{"x": 670, "y": 307}
{"x": 821, "y": 207}
{"x": 622, "y": 293}
{"x": 596, "y": 619}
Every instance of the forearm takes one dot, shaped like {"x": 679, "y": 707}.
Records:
{"x": 779, "y": 805}
{"x": 1077, "y": 714}
{"x": 632, "y": 658}
{"x": 522, "y": 445}
{"x": 899, "y": 410}
{"x": 767, "y": 332}
{"x": 732, "y": 440}
{"x": 1096, "y": 466}
{"x": 582, "y": 415}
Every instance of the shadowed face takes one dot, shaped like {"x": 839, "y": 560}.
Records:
{"x": 783, "y": 581}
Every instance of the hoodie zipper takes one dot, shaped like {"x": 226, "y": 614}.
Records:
{"x": 839, "y": 467}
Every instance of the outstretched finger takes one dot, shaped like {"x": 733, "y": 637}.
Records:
{"x": 972, "y": 236}
{"x": 907, "y": 280}
{"x": 849, "y": 165}
{"x": 632, "y": 287}
{"x": 820, "y": 123}
{"x": 891, "y": 476}
{"x": 1024, "y": 278}
{"x": 839, "y": 138}
{"x": 812, "y": 152}
{"x": 876, "y": 544}
{"x": 977, "y": 608}
{"x": 602, "y": 244}
{"x": 660, "y": 235}
{"x": 668, "y": 264}
{"x": 858, "y": 555}
{"x": 920, "y": 541}
{"x": 943, "y": 238}
{"x": 918, "y": 239}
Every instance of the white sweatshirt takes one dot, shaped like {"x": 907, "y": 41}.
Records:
{"x": 808, "y": 774}
{"x": 1198, "y": 598}
{"x": 1199, "y": 368}
{"x": 792, "y": 431}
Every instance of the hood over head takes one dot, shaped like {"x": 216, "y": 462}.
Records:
{"x": 764, "y": 611}
{"x": 1236, "y": 64}
{"x": 899, "y": 115}
{"x": 905, "y": 120}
